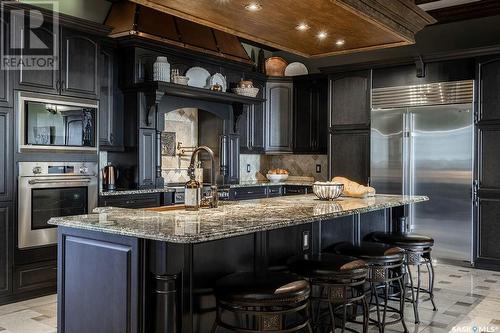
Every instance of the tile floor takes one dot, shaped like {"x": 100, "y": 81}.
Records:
{"x": 468, "y": 300}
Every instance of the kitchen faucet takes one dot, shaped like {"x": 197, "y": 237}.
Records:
{"x": 211, "y": 200}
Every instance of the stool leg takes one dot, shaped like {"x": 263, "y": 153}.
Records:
{"x": 344, "y": 317}
{"x": 377, "y": 307}
{"x": 366, "y": 316}
{"x": 402, "y": 302}
{"x": 332, "y": 315}
{"x": 431, "y": 284}
{"x": 419, "y": 285}
{"x": 386, "y": 300}
{"x": 412, "y": 290}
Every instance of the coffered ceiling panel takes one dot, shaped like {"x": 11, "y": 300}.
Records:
{"x": 331, "y": 26}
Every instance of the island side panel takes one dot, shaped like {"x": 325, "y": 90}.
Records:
{"x": 98, "y": 282}
{"x": 183, "y": 277}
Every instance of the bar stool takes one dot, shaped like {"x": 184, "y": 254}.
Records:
{"x": 417, "y": 253}
{"x": 270, "y": 302}
{"x": 336, "y": 281}
{"x": 385, "y": 271}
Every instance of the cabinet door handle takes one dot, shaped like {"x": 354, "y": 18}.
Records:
{"x": 111, "y": 138}
{"x": 63, "y": 85}
{"x": 58, "y": 85}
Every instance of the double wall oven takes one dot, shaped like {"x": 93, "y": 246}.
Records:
{"x": 52, "y": 189}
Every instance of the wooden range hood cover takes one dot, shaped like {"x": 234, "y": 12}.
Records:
{"x": 362, "y": 24}
{"x": 131, "y": 19}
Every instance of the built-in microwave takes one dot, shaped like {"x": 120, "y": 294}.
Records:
{"x": 56, "y": 123}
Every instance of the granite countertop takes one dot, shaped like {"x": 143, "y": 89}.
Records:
{"x": 241, "y": 184}
{"x": 229, "y": 219}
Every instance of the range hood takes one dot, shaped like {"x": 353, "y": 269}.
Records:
{"x": 131, "y": 19}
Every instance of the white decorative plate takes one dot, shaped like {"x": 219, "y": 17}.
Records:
{"x": 219, "y": 79}
{"x": 296, "y": 68}
{"x": 198, "y": 77}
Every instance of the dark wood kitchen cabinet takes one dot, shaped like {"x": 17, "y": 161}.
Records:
{"x": 79, "y": 66}
{"x": 310, "y": 128}
{"x": 487, "y": 184}
{"x": 110, "y": 103}
{"x": 6, "y": 153}
{"x": 41, "y": 81}
{"x": 488, "y": 83}
{"x": 5, "y": 89}
{"x": 350, "y": 100}
{"x": 350, "y": 155}
{"x": 5, "y": 76}
{"x": 6, "y": 222}
{"x": 279, "y": 115}
{"x": 78, "y": 73}
{"x": 252, "y": 126}
{"x": 350, "y": 108}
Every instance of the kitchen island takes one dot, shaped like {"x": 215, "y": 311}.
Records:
{"x": 123, "y": 270}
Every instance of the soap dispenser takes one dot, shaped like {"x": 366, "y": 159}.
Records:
{"x": 192, "y": 199}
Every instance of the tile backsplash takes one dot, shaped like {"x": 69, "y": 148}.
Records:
{"x": 184, "y": 123}
{"x": 297, "y": 165}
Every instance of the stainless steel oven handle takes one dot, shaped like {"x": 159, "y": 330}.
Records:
{"x": 59, "y": 180}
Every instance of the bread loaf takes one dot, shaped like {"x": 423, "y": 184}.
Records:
{"x": 353, "y": 189}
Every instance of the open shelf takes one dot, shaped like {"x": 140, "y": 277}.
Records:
{"x": 178, "y": 90}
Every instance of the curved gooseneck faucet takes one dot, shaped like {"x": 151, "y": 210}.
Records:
{"x": 214, "y": 200}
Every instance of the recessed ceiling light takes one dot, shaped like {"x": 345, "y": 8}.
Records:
{"x": 253, "y": 7}
{"x": 302, "y": 27}
{"x": 340, "y": 42}
{"x": 322, "y": 35}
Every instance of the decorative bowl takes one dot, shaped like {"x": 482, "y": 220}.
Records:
{"x": 328, "y": 190}
{"x": 276, "y": 178}
{"x": 249, "y": 92}
{"x": 179, "y": 79}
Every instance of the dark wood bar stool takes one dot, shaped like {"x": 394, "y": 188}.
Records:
{"x": 269, "y": 302}
{"x": 337, "y": 282}
{"x": 385, "y": 274}
{"x": 417, "y": 253}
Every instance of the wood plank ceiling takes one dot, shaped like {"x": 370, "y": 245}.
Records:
{"x": 347, "y": 25}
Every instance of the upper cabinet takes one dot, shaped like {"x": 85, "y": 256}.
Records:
{"x": 79, "y": 65}
{"x": 489, "y": 81}
{"x": 5, "y": 76}
{"x": 350, "y": 103}
{"x": 251, "y": 125}
{"x": 78, "y": 71}
{"x": 310, "y": 128}
{"x": 279, "y": 111}
{"x": 110, "y": 103}
{"x": 40, "y": 80}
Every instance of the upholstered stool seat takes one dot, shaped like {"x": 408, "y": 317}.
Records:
{"x": 271, "y": 302}
{"x": 385, "y": 275}
{"x": 402, "y": 240}
{"x": 325, "y": 265}
{"x": 417, "y": 253}
{"x": 337, "y": 284}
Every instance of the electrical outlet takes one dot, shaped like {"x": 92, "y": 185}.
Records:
{"x": 248, "y": 167}
{"x": 305, "y": 240}
{"x": 318, "y": 168}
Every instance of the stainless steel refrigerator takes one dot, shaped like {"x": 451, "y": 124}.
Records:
{"x": 422, "y": 141}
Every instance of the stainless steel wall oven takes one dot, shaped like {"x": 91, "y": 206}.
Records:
{"x": 52, "y": 189}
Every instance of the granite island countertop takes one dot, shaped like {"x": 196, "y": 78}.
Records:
{"x": 230, "y": 219}
{"x": 238, "y": 185}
